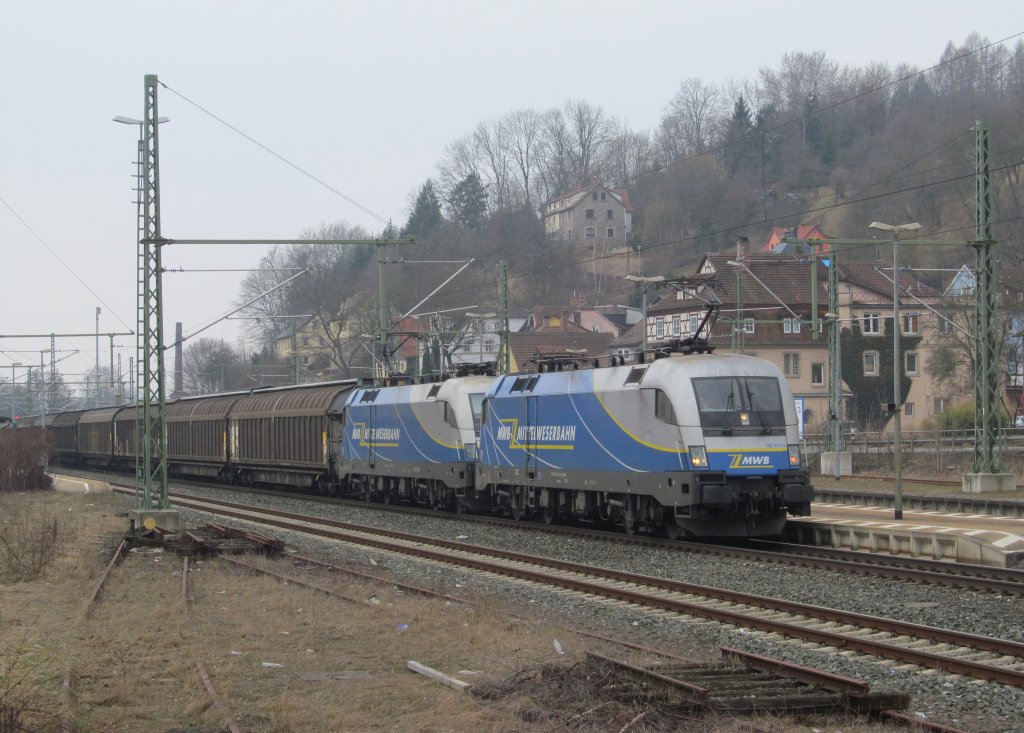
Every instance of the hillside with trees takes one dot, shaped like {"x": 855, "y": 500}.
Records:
{"x": 808, "y": 141}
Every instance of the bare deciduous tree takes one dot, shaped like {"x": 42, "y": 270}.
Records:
{"x": 590, "y": 130}
{"x": 204, "y": 362}
{"x": 689, "y": 122}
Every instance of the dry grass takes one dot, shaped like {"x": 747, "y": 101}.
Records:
{"x": 34, "y": 536}
{"x": 133, "y": 658}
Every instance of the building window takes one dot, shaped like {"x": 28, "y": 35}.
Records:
{"x": 870, "y": 363}
{"x": 320, "y": 339}
{"x": 871, "y": 323}
{"x": 908, "y": 409}
{"x": 791, "y": 365}
{"x": 791, "y": 325}
{"x": 910, "y": 362}
{"x": 945, "y": 325}
{"x": 817, "y": 373}
{"x": 659, "y": 328}
{"x": 611, "y": 232}
{"x": 591, "y": 232}
{"x": 676, "y": 325}
{"x": 305, "y": 361}
{"x": 594, "y": 196}
{"x": 693, "y": 324}
{"x": 610, "y": 214}
{"x": 590, "y": 213}
{"x": 911, "y": 323}
{"x": 603, "y": 195}
{"x": 941, "y": 404}
{"x": 305, "y": 340}
{"x": 748, "y": 325}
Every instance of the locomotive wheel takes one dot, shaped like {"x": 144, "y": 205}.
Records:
{"x": 672, "y": 530}
{"x": 549, "y": 514}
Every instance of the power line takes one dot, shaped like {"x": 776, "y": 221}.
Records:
{"x": 62, "y": 262}
{"x": 727, "y": 230}
{"x": 280, "y": 157}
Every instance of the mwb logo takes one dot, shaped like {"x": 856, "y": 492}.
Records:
{"x": 741, "y": 461}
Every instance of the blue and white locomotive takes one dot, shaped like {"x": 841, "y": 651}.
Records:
{"x": 701, "y": 445}
{"x": 413, "y": 442}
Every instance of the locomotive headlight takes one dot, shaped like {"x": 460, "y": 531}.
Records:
{"x": 744, "y": 418}
{"x": 698, "y": 457}
{"x": 794, "y": 455}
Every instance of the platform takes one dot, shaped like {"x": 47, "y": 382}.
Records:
{"x": 78, "y": 485}
{"x": 910, "y": 538}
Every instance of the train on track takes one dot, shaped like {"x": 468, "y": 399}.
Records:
{"x": 692, "y": 444}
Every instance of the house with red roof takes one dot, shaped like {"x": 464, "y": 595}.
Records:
{"x": 801, "y": 231}
{"x": 595, "y": 215}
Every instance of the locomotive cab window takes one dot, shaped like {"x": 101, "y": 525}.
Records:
{"x": 433, "y": 391}
{"x": 742, "y": 404}
{"x": 476, "y": 404}
{"x": 449, "y": 415}
{"x": 663, "y": 409}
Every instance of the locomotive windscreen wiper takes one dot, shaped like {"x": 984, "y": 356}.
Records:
{"x": 766, "y": 426}
{"x": 727, "y": 419}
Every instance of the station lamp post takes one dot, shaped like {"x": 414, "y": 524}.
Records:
{"x": 645, "y": 283}
{"x": 896, "y": 405}
{"x": 14, "y": 407}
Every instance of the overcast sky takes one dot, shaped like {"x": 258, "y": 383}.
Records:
{"x": 363, "y": 95}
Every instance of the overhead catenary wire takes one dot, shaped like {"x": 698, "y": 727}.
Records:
{"x": 814, "y": 210}
{"x": 59, "y": 259}
{"x": 277, "y": 155}
{"x": 487, "y": 283}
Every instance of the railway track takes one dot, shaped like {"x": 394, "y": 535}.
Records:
{"x": 979, "y": 657}
{"x": 747, "y": 683}
{"x": 980, "y": 578}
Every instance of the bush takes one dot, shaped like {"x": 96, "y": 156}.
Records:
{"x": 23, "y": 457}
{"x": 961, "y": 417}
{"x": 32, "y": 538}
{"x": 956, "y": 417}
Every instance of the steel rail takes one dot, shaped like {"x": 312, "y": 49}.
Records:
{"x": 979, "y": 578}
{"x": 498, "y": 562}
{"x": 215, "y": 697}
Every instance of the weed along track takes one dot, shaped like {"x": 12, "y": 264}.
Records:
{"x": 926, "y": 647}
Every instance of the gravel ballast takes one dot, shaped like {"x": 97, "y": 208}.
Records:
{"x": 948, "y": 699}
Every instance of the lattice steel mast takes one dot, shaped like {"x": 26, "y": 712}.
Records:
{"x": 988, "y": 441}
{"x": 150, "y": 337}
